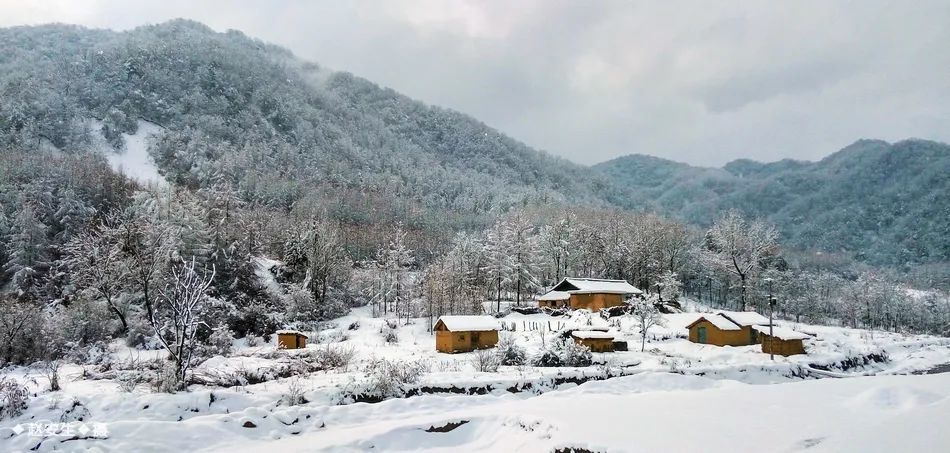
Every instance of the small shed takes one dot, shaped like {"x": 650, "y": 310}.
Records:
{"x": 783, "y": 341}
{"x": 555, "y": 299}
{"x": 717, "y": 330}
{"x": 596, "y": 340}
{"x": 465, "y": 333}
{"x": 291, "y": 339}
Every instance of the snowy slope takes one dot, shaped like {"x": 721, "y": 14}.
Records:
{"x": 134, "y": 161}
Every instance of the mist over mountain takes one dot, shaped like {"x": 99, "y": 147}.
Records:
{"x": 241, "y": 113}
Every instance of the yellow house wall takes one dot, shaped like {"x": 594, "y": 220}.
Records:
{"x": 595, "y": 301}
{"x": 717, "y": 337}
{"x": 451, "y": 342}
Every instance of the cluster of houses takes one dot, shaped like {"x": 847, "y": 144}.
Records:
{"x": 744, "y": 328}
{"x": 723, "y": 328}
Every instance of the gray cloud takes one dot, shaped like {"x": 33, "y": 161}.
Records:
{"x": 689, "y": 81}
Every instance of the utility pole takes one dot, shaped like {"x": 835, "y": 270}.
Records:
{"x": 771, "y": 309}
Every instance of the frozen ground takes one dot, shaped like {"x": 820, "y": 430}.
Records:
{"x": 681, "y": 396}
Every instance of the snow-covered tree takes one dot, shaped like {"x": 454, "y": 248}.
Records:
{"x": 94, "y": 259}
{"x": 647, "y": 316}
{"x": 668, "y": 286}
{"x": 181, "y": 312}
{"x": 28, "y": 252}
{"x": 740, "y": 248}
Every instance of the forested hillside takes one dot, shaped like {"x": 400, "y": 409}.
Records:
{"x": 280, "y": 131}
{"x": 881, "y": 203}
{"x": 295, "y": 194}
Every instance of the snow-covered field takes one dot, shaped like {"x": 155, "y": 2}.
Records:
{"x": 675, "y": 396}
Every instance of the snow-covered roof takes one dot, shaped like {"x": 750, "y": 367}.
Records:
{"x": 782, "y": 333}
{"x": 720, "y": 321}
{"x": 596, "y": 285}
{"x": 589, "y": 334}
{"x": 468, "y": 323}
{"x": 289, "y": 332}
{"x": 744, "y": 318}
{"x": 555, "y": 295}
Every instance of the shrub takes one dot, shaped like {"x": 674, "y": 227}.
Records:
{"x": 354, "y": 325}
{"x": 294, "y": 395}
{"x": 388, "y": 331}
{"x": 573, "y": 354}
{"x": 253, "y": 341}
{"x": 220, "y": 342}
{"x": 14, "y": 398}
{"x": 485, "y": 361}
{"x": 564, "y": 352}
{"x": 509, "y": 352}
{"x": 334, "y": 357}
{"x": 546, "y": 358}
{"x": 391, "y": 379}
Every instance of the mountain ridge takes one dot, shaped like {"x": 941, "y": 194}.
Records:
{"x": 889, "y": 196}
{"x": 288, "y": 133}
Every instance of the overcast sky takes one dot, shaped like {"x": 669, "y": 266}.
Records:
{"x": 592, "y": 80}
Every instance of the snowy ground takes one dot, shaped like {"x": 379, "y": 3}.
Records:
{"x": 681, "y": 396}
{"x": 134, "y": 161}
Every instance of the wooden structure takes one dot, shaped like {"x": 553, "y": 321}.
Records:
{"x": 745, "y": 320}
{"x": 588, "y": 293}
{"x": 554, "y": 299}
{"x": 465, "y": 333}
{"x": 291, "y": 339}
{"x": 596, "y": 340}
{"x": 783, "y": 341}
{"x": 717, "y": 330}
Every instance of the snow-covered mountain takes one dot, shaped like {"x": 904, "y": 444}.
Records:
{"x": 237, "y": 111}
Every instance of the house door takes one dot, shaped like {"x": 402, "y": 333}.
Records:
{"x": 475, "y": 340}
{"x": 701, "y": 333}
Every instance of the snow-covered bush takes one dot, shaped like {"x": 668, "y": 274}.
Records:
{"x": 573, "y": 354}
{"x": 564, "y": 352}
{"x": 334, "y": 357}
{"x": 167, "y": 379}
{"x": 354, "y": 325}
{"x": 510, "y": 353}
{"x": 294, "y": 394}
{"x": 388, "y": 331}
{"x": 391, "y": 378}
{"x": 140, "y": 335}
{"x": 332, "y": 336}
{"x": 253, "y": 341}
{"x": 220, "y": 342}
{"x": 14, "y": 398}
{"x": 485, "y": 361}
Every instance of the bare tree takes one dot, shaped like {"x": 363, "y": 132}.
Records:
{"x": 739, "y": 247}
{"x": 647, "y": 316}
{"x": 94, "y": 259}
{"x": 184, "y": 302}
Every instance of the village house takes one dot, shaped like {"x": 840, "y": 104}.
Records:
{"x": 596, "y": 340}
{"x": 744, "y": 328}
{"x": 465, "y": 333}
{"x": 745, "y": 320}
{"x": 590, "y": 293}
{"x": 782, "y": 341}
{"x": 716, "y": 329}
{"x": 291, "y": 339}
